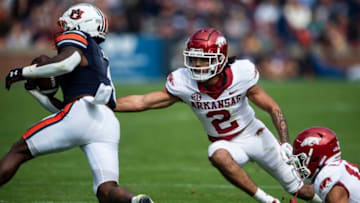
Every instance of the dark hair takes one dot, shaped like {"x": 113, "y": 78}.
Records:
{"x": 230, "y": 61}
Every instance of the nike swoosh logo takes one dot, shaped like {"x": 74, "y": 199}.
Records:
{"x": 231, "y": 93}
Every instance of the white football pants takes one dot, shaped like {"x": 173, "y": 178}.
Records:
{"x": 94, "y": 128}
{"x": 258, "y": 144}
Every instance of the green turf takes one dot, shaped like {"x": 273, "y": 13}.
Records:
{"x": 163, "y": 153}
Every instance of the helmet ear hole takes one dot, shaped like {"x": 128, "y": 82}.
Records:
{"x": 315, "y": 159}
{"x": 98, "y": 28}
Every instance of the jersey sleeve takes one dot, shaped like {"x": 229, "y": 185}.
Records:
{"x": 175, "y": 83}
{"x": 245, "y": 73}
{"x": 326, "y": 180}
{"x": 72, "y": 38}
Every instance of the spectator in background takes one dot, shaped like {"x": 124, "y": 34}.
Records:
{"x": 315, "y": 38}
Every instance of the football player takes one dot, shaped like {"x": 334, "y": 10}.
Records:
{"x": 217, "y": 89}
{"x": 318, "y": 160}
{"x": 83, "y": 120}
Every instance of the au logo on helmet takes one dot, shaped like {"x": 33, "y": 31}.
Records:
{"x": 76, "y": 14}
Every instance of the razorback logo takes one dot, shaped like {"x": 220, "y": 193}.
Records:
{"x": 310, "y": 141}
{"x": 171, "y": 79}
{"x": 220, "y": 41}
{"x": 76, "y": 14}
{"x": 325, "y": 183}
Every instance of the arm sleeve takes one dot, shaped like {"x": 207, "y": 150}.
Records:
{"x": 251, "y": 74}
{"x": 44, "y": 101}
{"x": 245, "y": 74}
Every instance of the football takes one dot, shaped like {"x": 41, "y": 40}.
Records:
{"x": 47, "y": 86}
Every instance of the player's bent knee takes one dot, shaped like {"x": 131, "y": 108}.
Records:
{"x": 220, "y": 157}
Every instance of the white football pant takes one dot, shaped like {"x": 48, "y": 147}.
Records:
{"x": 257, "y": 143}
{"x": 94, "y": 128}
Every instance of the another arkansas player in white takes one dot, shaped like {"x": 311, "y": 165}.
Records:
{"x": 85, "y": 118}
{"x": 318, "y": 160}
{"x": 217, "y": 89}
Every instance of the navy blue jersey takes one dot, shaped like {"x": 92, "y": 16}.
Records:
{"x": 85, "y": 80}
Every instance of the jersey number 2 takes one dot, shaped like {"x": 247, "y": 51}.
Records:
{"x": 216, "y": 122}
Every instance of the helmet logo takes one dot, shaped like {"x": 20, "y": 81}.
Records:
{"x": 220, "y": 41}
{"x": 310, "y": 141}
{"x": 76, "y": 14}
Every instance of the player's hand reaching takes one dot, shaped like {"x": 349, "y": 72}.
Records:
{"x": 286, "y": 151}
{"x": 13, "y": 76}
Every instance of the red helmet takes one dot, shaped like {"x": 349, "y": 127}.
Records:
{"x": 314, "y": 147}
{"x": 209, "y": 44}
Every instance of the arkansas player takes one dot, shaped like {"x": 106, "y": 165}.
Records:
{"x": 318, "y": 161}
{"x": 217, "y": 89}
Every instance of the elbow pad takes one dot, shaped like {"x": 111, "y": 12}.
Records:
{"x": 53, "y": 69}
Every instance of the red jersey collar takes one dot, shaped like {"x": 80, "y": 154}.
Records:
{"x": 217, "y": 89}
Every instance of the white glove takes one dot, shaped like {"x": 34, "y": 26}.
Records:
{"x": 263, "y": 197}
{"x": 286, "y": 152}
{"x": 102, "y": 95}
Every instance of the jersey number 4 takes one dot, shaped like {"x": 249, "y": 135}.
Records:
{"x": 225, "y": 117}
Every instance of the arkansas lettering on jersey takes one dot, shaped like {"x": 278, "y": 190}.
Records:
{"x": 340, "y": 173}
{"x": 226, "y": 112}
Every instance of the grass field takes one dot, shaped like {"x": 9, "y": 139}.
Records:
{"x": 163, "y": 153}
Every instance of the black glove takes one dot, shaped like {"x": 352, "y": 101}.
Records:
{"x": 14, "y": 75}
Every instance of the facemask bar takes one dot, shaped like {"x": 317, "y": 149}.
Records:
{"x": 299, "y": 163}
{"x": 205, "y": 72}
{"x": 63, "y": 25}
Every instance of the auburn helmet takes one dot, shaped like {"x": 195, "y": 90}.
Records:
{"x": 314, "y": 148}
{"x": 206, "y": 44}
{"x": 85, "y": 17}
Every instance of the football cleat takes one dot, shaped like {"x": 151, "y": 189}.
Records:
{"x": 141, "y": 199}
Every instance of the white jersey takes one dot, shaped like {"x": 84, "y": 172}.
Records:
{"x": 226, "y": 113}
{"x": 340, "y": 173}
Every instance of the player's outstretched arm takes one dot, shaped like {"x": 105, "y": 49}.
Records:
{"x": 261, "y": 99}
{"x": 152, "y": 100}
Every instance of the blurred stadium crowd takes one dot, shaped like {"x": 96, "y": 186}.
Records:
{"x": 285, "y": 38}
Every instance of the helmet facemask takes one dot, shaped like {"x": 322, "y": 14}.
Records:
{"x": 300, "y": 162}
{"x": 216, "y": 62}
